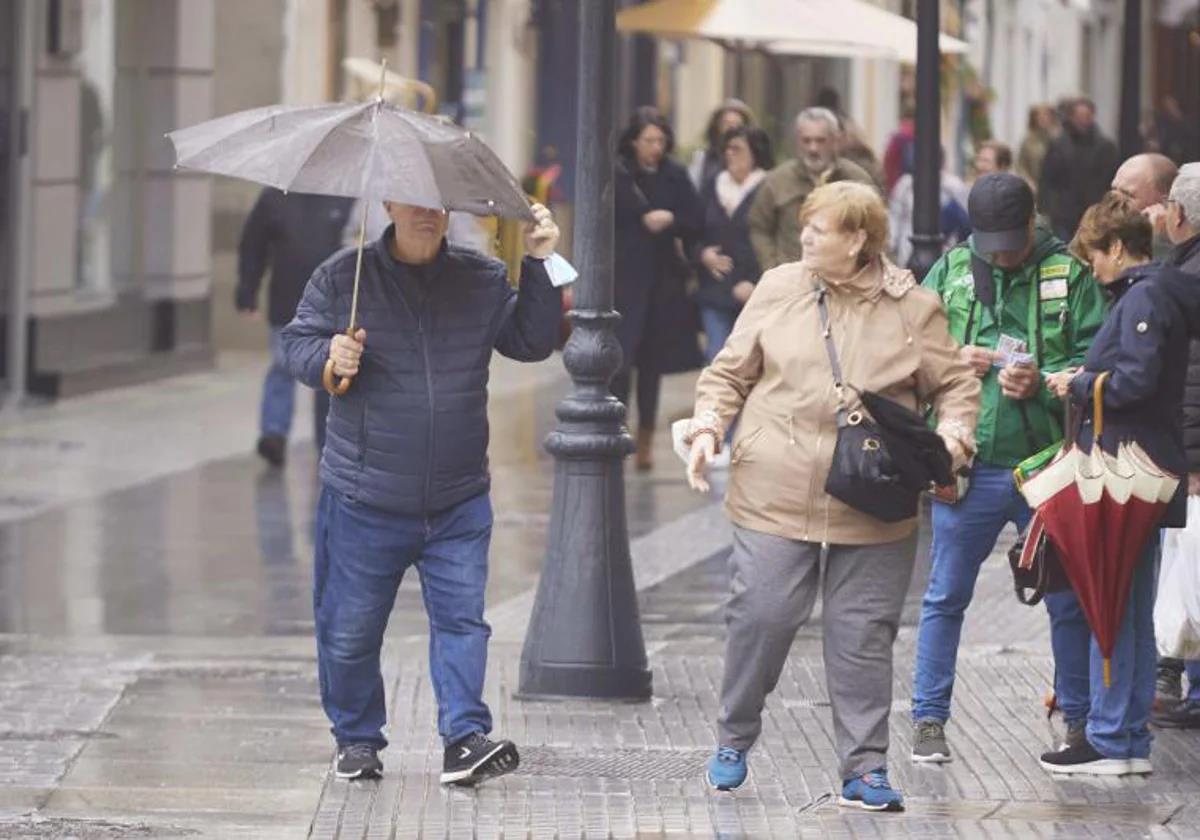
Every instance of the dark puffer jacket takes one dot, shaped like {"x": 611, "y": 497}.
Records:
{"x": 1143, "y": 346}
{"x": 1186, "y": 257}
{"x": 411, "y": 434}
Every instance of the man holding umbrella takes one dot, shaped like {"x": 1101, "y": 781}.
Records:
{"x": 404, "y": 474}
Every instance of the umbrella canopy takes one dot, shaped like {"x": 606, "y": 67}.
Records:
{"x": 1099, "y": 509}
{"x": 372, "y": 150}
{"x": 850, "y": 28}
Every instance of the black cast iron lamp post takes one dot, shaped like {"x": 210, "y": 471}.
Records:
{"x": 585, "y": 635}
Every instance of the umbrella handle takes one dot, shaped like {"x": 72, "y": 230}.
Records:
{"x": 336, "y": 386}
{"x": 1098, "y": 405}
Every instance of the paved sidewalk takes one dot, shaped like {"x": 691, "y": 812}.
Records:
{"x": 635, "y": 770}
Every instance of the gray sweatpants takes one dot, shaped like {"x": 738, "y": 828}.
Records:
{"x": 774, "y": 588}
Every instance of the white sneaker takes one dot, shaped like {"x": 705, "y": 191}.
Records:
{"x": 1140, "y": 766}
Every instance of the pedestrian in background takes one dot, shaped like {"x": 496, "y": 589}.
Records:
{"x": 1041, "y": 130}
{"x": 707, "y": 162}
{"x": 851, "y": 145}
{"x": 1146, "y": 180}
{"x": 992, "y": 156}
{"x": 1181, "y": 221}
{"x": 775, "y": 216}
{"x": 1142, "y": 347}
{"x": 658, "y": 221}
{"x": 953, "y": 221}
{"x": 290, "y": 235}
{"x": 1020, "y": 306}
{"x": 1078, "y": 169}
{"x": 404, "y": 477}
{"x": 899, "y": 156}
{"x": 727, "y": 267}
{"x": 791, "y": 539}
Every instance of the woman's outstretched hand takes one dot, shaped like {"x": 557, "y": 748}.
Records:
{"x": 703, "y": 451}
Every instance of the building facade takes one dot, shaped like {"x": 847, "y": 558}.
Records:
{"x": 107, "y": 258}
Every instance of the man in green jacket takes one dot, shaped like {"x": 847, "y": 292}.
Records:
{"x": 774, "y": 218}
{"x": 1022, "y": 308}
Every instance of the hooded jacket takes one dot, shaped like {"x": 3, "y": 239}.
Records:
{"x": 1143, "y": 346}
{"x": 1052, "y": 304}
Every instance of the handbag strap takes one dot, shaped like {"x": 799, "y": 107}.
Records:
{"x": 834, "y": 364}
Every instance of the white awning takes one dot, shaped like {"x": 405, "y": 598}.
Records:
{"x": 789, "y": 27}
{"x": 874, "y": 33}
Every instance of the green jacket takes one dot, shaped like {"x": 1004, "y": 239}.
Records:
{"x": 1057, "y": 325}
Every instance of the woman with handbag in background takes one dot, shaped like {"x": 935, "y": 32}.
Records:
{"x": 658, "y": 220}
{"x": 813, "y": 333}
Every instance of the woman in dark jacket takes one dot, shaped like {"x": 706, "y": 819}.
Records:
{"x": 1143, "y": 347}
{"x": 657, "y": 220}
{"x": 727, "y": 266}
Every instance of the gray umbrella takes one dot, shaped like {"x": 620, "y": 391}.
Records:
{"x": 372, "y": 150}
{"x": 369, "y": 150}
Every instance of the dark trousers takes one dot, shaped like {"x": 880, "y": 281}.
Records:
{"x": 649, "y": 382}
{"x": 362, "y": 554}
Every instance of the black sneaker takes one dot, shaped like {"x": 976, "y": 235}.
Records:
{"x": 475, "y": 758}
{"x": 1076, "y": 735}
{"x": 273, "y": 449}
{"x": 1085, "y": 760}
{"x": 1185, "y": 715}
{"x": 358, "y": 761}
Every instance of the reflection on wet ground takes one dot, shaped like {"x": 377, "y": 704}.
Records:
{"x": 225, "y": 549}
{"x": 156, "y": 654}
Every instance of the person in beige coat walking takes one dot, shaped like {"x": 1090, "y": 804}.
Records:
{"x": 891, "y": 337}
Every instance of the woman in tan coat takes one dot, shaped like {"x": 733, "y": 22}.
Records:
{"x": 891, "y": 337}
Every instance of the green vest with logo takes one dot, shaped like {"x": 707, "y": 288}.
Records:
{"x": 1052, "y": 305}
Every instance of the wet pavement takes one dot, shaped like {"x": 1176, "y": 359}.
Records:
{"x": 157, "y": 672}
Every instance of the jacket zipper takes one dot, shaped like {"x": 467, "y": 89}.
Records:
{"x": 432, "y": 415}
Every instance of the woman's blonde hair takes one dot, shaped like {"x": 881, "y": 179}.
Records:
{"x": 1114, "y": 218}
{"x": 855, "y": 207}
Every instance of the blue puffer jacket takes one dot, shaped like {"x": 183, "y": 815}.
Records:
{"x": 411, "y": 434}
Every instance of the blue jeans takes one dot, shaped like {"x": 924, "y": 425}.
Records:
{"x": 361, "y": 556}
{"x": 279, "y": 398}
{"x": 1120, "y": 713}
{"x": 1192, "y": 666}
{"x": 963, "y": 537}
{"x": 717, "y": 324}
{"x": 278, "y": 393}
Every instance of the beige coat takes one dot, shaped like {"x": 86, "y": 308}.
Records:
{"x": 891, "y": 337}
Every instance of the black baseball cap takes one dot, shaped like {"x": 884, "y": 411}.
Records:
{"x": 1000, "y": 206}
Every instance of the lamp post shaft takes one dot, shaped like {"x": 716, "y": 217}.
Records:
{"x": 585, "y": 636}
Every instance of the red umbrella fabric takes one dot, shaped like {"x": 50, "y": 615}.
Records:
{"x": 1098, "y": 509}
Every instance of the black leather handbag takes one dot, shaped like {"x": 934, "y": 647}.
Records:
{"x": 868, "y": 473}
{"x": 863, "y": 473}
{"x": 1036, "y": 568}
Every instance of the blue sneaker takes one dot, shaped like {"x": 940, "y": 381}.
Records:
{"x": 871, "y": 792}
{"x": 727, "y": 769}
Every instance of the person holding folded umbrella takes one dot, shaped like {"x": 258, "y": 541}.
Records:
{"x": 1138, "y": 365}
